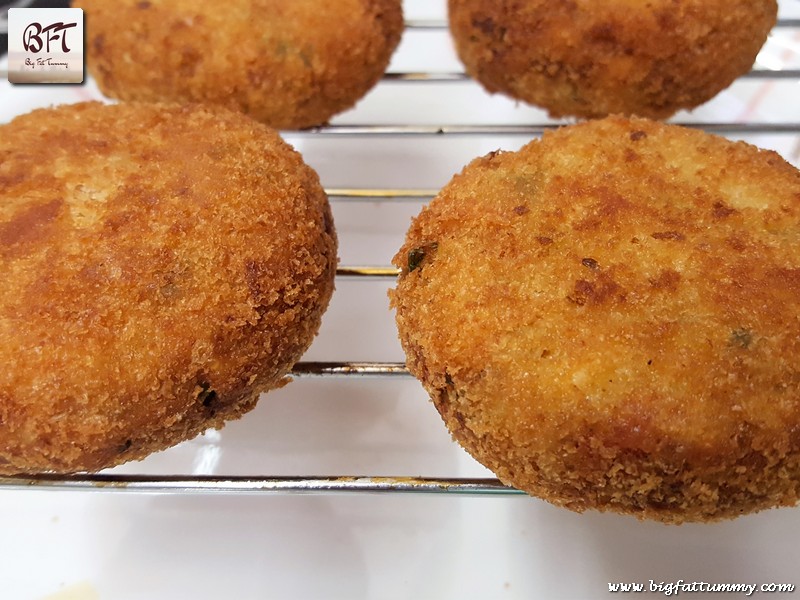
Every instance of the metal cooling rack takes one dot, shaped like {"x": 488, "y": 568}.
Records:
{"x": 206, "y": 484}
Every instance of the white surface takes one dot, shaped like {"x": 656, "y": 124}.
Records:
{"x": 116, "y": 546}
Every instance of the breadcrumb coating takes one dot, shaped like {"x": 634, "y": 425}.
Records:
{"x": 288, "y": 64}
{"x": 162, "y": 266}
{"x": 610, "y": 319}
{"x": 591, "y": 59}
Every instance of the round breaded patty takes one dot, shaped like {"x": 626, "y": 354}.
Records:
{"x": 610, "y": 319}
{"x": 590, "y": 59}
{"x": 289, "y": 64}
{"x": 162, "y": 265}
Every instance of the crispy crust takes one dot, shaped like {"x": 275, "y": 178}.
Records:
{"x": 162, "y": 266}
{"x": 288, "y": 64}
{"x": 591, "y": 59}
{"x": 608, "y": 319}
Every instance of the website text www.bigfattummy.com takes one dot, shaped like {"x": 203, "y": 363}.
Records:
{"x": 670, "y": 588}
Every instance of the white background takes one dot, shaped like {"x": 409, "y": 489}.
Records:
{"x": 123, "y": 546}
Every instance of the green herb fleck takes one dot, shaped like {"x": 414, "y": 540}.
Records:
{"x": 417, "y": 255}
{"x": 206, "y": 395}
{"x": 741, "y": 337}
{"x": 589, "y": 263}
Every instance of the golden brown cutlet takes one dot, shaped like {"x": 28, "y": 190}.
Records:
{"x": 162, "y": 266}
{"x": 610, "y": 319}
{"x": 591, "y": 59}
{"x": 288, "y": 64}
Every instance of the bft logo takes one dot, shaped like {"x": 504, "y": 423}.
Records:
{"x": 32, "y": 36}
{"x": 45, "y": 45}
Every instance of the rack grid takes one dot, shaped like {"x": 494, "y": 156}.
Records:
{"x": 208, "y": 484}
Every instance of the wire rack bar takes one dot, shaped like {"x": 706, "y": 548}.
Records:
{"x": 350, "y": 369}
{"x": 426, "y": 24}
{"x": 460, "y": 77}
{"x": 205, "y": 484}
{"x": 426, "y": 77}
{"x": 529, "y": 130}
{"x": 367, "y": 272}
{"x": 371, "y": 194}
